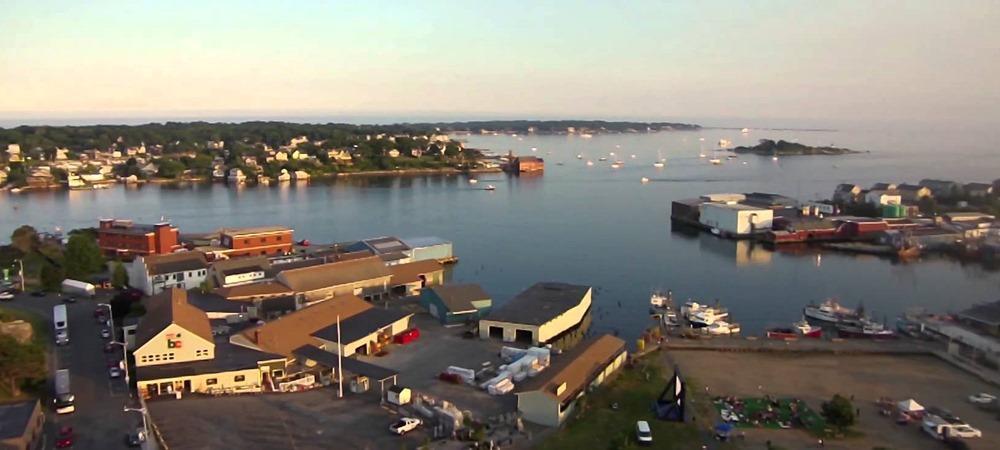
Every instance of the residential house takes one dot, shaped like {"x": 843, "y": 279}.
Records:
{"x": 341, "y": 156}
{"x": 364, "y": 277}
{"x": 942, "y": 188}
{"x": 3, "y": 177}
{"x": 300, "y": 175}
{"x": 846, "y": 193}
{"x": 539, "y": 314}
{"x": 298, "y": 140}
{"x": 62, "y": 154}
{"x": 41, "y": 178}
{"x": 880, "y": 197}
{"x": 978, "y": 190}
{"x": 178, "y": 351}
{"x": 22, "y": 425}
{"x": 281, "y": 156}
{"x": 393, "y": 153}
{"x": 455, "y": 304}
{"x": 913, "y": 193}
{"x": 124, "y": 239}
{"x": 153, "y": 274}
{"x": 551, "y": 397}
{"x": 14, "y": 153}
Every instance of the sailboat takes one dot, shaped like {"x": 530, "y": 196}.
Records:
{"x": 660, "y": 160}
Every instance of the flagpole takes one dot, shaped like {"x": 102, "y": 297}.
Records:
{"x": 340, "y": 365}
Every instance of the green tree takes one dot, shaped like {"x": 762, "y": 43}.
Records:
{"x": 20, "y": 364}
{"x": 838, "y": 412}
{"x": 83, "y": 256}
{"x": 52, "y": 277}
{"x": 928, "y": 206}
{"x": 170, "y": 168}
{"x": 25, "y": 238}
{"x": 119, "y": 277}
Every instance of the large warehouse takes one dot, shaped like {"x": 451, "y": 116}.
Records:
{"x": 539, "y": 314}
{"x": 734, "y": 219}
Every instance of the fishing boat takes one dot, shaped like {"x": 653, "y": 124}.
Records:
{"x": 700, "y": 316}
{"x": 797, "y": 330}
{"x": 807, "y": 329}
{"x": 829, "y": 311}
{"x": 781, "y": 334}
{"x": 864, "y": 329}
{"x": 722, "y": 328}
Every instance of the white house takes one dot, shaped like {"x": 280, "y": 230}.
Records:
{"x": 880, "y": 197}
{"x": 154, "y": 273}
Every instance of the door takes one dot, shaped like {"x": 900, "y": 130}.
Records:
{"x": 187, "y": 385}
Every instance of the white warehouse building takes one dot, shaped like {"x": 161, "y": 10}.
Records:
{"x": 734, "y": 219}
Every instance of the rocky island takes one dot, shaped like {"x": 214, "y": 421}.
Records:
{"x": 767, "y": 147}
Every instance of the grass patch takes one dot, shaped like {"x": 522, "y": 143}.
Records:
{"x": 596, "y": 425}
{"x": 755, "y": 412}
{"x": 42, "y": 333}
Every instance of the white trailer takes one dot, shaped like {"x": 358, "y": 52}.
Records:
{"x": 78, "y": 288}
{"x": 63, "y": 398}
{"x": 60, "y": 324}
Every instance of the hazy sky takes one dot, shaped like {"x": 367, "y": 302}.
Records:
{"x": 670, "y": 59}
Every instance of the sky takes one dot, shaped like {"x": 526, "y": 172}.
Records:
{"x": 649, "y": 60}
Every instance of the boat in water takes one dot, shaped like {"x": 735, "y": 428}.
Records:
{"x": 644, "y": 180}
{"x": 715, "y": 161}
{"x": 829, "y": 311}
{"x": 473, "y": 181}
{"x": 616, "y": 165}
{"x": 701, "y": 316}
{"x": 798, "y": 329}
{"x": 864, "y": 329}
{"x": 722, "y": 328}
{"x": 490, "y": 187}
{"x": 602, "y": 159}
{"x": 663, "y": 304}
{"x": 579, "y": 156}
{"x": 590, "y": 163}
{"x": 658, "y": 164}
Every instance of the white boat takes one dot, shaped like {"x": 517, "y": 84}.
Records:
{"x": 473, "y": 181}
{"x": 616, "y": 165}
{"x": 725, "y": 143}
{"x": 611, "y": 154}
{"x": 700, "y": 316}
{"x": 586, "y": 135}
{"x": 701, "y": 155}
{"x": 829, "y": 311}
{"x": 745, "y": 130}
{"x": 632, "y": 156}
{"x": 579, "y": 156}
{"x": 715, "y": 161}
{"x": 774, "y": 158}
{"x": 660, "y": 300}
{"x": 602, "y": 159}
{"x": 658, "y": 165}
{"x": 590, "y": 163}
{"x": 644, "y": 180}
{"x": 534, "y": 149}
{"x": 722, "y": 328}
{"x": 16, "y": 190}
{"x": 490, "y": 187}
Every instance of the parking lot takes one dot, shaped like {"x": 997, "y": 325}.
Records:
{"x": 99, "y": 421}
{"x": 420, "y": 362}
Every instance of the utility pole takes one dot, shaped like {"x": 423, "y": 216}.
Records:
{"x": 20, "y": 273}
{"x": 340, "y": 364}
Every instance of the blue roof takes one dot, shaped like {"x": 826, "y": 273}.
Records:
{"x": 427, "y": 241}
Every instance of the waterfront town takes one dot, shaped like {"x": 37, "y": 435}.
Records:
{"x": 208, "y": 338}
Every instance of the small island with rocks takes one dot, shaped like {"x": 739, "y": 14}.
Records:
{"x": 767, "y": 147}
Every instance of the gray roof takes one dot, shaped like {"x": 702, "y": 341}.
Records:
{"x": 540, "y": 303}
{"x": 215, "y": 303}
{"x": 361, "y": 324}
{"x": 14, "y": 418}
{"x": 175, "y": 262}
{"x": 352, "y": 365}
{"x": 459, "y": 297}
{"x": 988, "y": 313}
{"x": 228, "y": 357}
{"x": 386, "y": 244}
{"x": 428, "y": 241}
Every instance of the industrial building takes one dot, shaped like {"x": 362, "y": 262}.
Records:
{"x": 734, "y": 219}
{"x": 365, "y": 277}
{"x": 153, "y": 274}
{"x": 424, "y": 248}
{"x": 124, "y": 240}
{"x": 256, "y": 241}
{"x": 455, "y": 304}
{"x": 410, "y": 278}
{"x": 539, "y": 314}
{"x": 551, "y": 396}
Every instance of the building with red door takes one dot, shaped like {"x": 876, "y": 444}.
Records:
{"x": 256, "y": 241}
{"x": 124, "y": 239}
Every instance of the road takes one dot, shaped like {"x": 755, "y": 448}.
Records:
{"x": 99, "y": 421}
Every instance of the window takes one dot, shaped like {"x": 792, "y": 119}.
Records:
{"x": 263, "y": 240}
{"x": 211, "y": 381}
{"x": 246, "y": 241}
{"x": 279, "y": 238}
{"x": 239, "y": 378}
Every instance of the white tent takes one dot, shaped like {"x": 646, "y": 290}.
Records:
{"x": 909, "y": 406}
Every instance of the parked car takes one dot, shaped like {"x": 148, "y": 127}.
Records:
{"x": 982, "y": 398}
{"x": 105, "y": 333}
{"x": 6, "y": 295}
{"x": 404, "y": 425}
{"x": 109, "y": 348}
{"x": 964, "y": 431}
{"x": 642, "y": 433}
{"x": 38, "y": 293}
{"x": 114, "y": 372}
{"x": 69, "y": 299}
{"x": 65, "y": 437}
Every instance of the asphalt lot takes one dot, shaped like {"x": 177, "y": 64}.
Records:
{"x": 99, "y": 421}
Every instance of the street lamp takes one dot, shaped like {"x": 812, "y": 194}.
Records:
{"x": 145, "y": 426}
{"x": 20, "y": 273}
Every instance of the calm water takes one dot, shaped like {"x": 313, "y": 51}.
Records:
{"x": 599, "y": 226}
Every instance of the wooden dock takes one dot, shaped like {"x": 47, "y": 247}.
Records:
{"x": 820, "y": 346}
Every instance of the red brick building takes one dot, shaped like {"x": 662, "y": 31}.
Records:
{"x": 257, "y": 241}
{"x": 125, "y": 240}
{"x": 528, "y": 164}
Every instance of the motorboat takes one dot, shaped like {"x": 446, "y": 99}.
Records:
{"x": 700, "y": 316}
{"x": 490, "y": 187}
{"x": 661, "y": 300}
{"x": 829, "y": 311}
{"x": 774, "y": 158}
{"x": 701, "y": 155}
{"x": 644, "y": 180}
{"x": 616, "y": 165}
{"x": 632, "y": 156}
{"x": 797, "y": 330}
{"x": 721, "y": 328}
{"x": 534, "y": 149}
{"x": 473, "y": 181}
{"x": 715, "y": 161}
{"x": 865, "y": 329}
{"x": 804, "y": 328}
{"x": 725, "y": 143}
{"x": 590, "y": 163}
{"x": 602, "y": 159}
{"x": 745, "y": 130}
{"x": 780, "y": 333}
{"x": 658, "y": 164}
{"x": 579, "y": 156}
